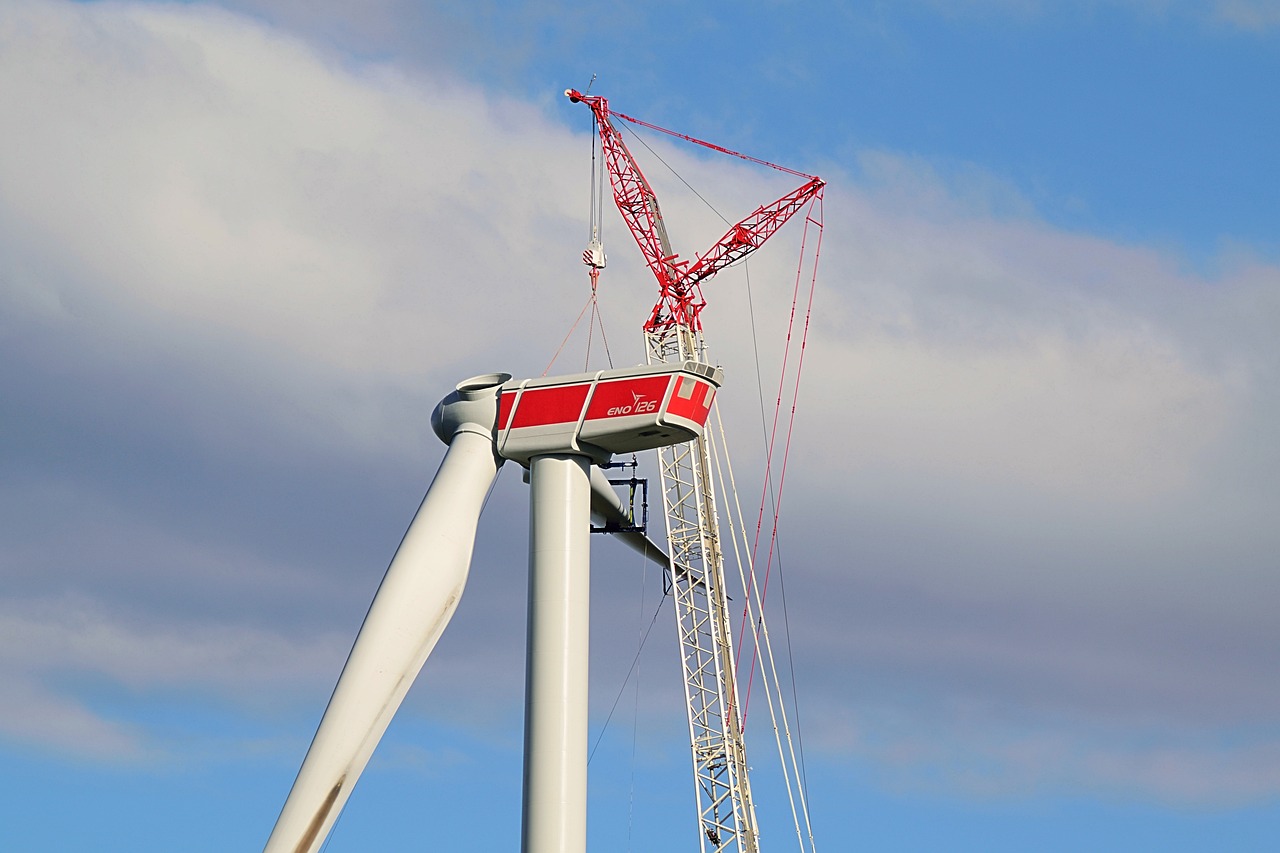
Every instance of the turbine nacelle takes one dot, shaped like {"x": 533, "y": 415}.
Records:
{"x": 598, "y": 414}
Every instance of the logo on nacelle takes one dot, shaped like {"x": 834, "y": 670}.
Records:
{"x": 639, "y": 406}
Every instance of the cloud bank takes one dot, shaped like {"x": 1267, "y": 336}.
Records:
{"x": 1031, "y": 514}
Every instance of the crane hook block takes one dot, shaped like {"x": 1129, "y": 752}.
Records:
{"x": 594, "y": 256}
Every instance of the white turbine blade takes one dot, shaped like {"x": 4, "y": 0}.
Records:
{"x": 606, "y": 505}
{"x": 415, "y": 602}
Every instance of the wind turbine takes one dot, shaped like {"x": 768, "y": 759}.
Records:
{"x": 559, "y": 428}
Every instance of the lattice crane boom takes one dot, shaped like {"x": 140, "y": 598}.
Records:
{"x": 680, "y": 299}
{"x": 748, "y": 235}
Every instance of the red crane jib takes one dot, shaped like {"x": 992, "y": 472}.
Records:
{"x": 679, "y": 282}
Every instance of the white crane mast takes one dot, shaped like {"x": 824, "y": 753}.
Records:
{"x": 726, "y": 814}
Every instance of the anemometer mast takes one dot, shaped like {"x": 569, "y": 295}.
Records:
{"x": 673, "y": 333}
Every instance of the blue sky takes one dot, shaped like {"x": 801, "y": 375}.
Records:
{"x": 1030, "y": 542}
{"x": 1092, "y": 111}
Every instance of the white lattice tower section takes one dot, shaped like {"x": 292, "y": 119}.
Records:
{"x": 726, "y": 815}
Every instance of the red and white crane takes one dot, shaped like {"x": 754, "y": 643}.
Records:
{"x": 673, "y": 334}
{"x": 562, "y": 429}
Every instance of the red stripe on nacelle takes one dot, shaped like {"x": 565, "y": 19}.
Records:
{"x": 556, "y": 405}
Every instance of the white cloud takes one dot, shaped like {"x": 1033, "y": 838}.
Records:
{"x": 67, "y": 641}
{"x": 71, "y": 636}
{"x": 33, "y": 715}
{"x": 1112, "y": 420}
{"x": 1258, "y": 16}
{"x": 221, "y": 182}
{"x": 961, "y": 755}
{"x": 991, "y": 351}
{"x": 1253, "y": 15}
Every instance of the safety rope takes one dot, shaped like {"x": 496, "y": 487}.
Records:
{"x": 810, "y": 220}
{"x": 710, "y": 145}
{"x": 567, "y": 335}
{"x": 787, "y": 753}
{"x": 623, "y": 688}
